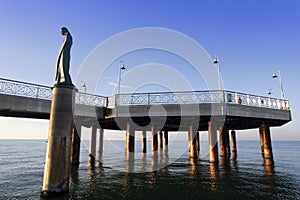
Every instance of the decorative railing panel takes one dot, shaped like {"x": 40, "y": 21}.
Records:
{"x": 18, "y": 88}
{"x": 30, "y": 90}
{"x": 198, "y": 97}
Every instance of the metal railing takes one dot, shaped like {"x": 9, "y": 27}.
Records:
{"x": 23, "y": 89}
{"x": 18, "y": 88}
{"x": 198, "y": 97}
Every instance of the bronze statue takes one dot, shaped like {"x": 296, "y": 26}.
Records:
{"x": 63, "y": 61}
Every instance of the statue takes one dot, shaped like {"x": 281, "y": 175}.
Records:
{"x": 63, "y": 61}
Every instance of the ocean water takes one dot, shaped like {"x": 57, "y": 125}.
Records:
{"x": 22, "y": 168}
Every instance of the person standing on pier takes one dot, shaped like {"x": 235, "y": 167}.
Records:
{"x": 63, "y": 60}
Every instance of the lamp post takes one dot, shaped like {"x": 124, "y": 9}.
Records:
{"x": 277, "y": 74}
{"x": 122, "y": 67}
{"x": 83, "y": 85}
{"x": 270, "y": 92}
{"x": 216, "y": 62}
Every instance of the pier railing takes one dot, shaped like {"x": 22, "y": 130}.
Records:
{"x": 199, "y": 97}
{"x": 23, "y": 89}
{"x": 18, "y": 88}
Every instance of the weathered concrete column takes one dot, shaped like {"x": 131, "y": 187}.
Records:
{"x": 100, "y": 144}
{"x": 57, "y": 165}
{"x": 213, "y": 142}
{"x": 222, "y": 140}
{"x": 261, "y": 140}
{"x": 233, "y": 145}
{"x": 92, "y": 150}
{"x": 75, "y": 154}
{"x": 154, "y": 139}
{"x": 198, "y": 142}
{"x": 144, "y": 141}
{"x": 193, "y": 142}
{"x": 267, "y": 144}
{"x": 228, "y": 153}
{"x": 129, "y": 138}
{"x": 166, "y": 138}
{"x": 161, "y": 144}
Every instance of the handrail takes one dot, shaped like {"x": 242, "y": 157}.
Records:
{"x": 31, "y": 90}
{"x": 198, "y": 97}
{"x": 19, "y": 88}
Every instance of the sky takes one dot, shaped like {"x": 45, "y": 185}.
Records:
{"x": 252, "y": 39}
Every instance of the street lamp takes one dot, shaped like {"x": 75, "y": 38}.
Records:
{"x": 216, "y": 62}
{"x": 277, "y": 74}
{"x": 83, "y": 84}
{"x": 122, "y": 67}
{"x": 270, "y": 92}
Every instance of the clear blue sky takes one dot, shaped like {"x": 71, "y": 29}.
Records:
{"x": 251, "y": 37}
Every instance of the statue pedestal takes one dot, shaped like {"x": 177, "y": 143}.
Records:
{"x": 57, "y": 165}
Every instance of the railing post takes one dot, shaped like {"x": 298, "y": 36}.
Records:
{"x": 37, "y": 92}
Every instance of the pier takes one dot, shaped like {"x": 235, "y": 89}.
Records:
{"x": 220, "y": 113}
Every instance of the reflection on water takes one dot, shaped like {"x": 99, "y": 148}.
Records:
{"x": 249, "y": 177}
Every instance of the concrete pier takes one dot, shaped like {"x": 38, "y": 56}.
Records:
{"x": 57, "y": 165}
{"x": 100, "y": 145}
{"x": 144, "y": 141}
{"x": 213, "y": 142}
{"x": 75, "y": 153}
{"x": 154, "y": 139}
{"x": 161, "y": 144}
{"x": 267, "y": 144}
{"x": 222, "y": 139}
{"x": 198, "y": 142}
{"x": 233, "y": 145}
{"x": 227, "y": 140}
{"x": 166, "y": 138}
{"x": 193, "y": 142}
{"x": 129, "y": 138}
{"x": 261, "y": 140}
{"x": 93, "y": 141}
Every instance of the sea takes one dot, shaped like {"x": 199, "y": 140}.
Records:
{"x": 168, "y": 174}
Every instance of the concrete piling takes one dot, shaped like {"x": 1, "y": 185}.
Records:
{"x": 100, "y": 145}
{"x": 193, "y": 142}
{"x": 213, "y": 142}
{"x": 57, "y": 165}
{"x": 154, "y": 139}
{"x": 233, "y": 145}
{"x": 267, "y": 143}
{"x": 227, "y": 140}
{"x": 92, "y": 149}
{"x": 75, "y": 153}
{"x": 129, "y": 138}
{"x": 166, "y": 138}
{"x": 144, "y": 141}
{"x": 161, "y": 144}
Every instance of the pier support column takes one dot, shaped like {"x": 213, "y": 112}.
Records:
{"x": 267, "y": 144}
{"x": 193, "y": 142}
{"x": 198, "y": 142}
{"x": 92, "y": 150}
{"x": 161, "y": 144}
{"x": 129, "y": 138}
{"x": 213, "y": 142}
{"x": 261, "y": 140}
{"x": 222, "y": 140}
{"x": 233, "y": 145}
{"x": 57, "y": 165}
{"x": 228, "y": 153}
{"x": 75, "y": 154}
{"x": 166, "y": 138}
{"x": 144, "y": 141}
{"x": 154, "y": 139}
{"x": 100, "y": 145}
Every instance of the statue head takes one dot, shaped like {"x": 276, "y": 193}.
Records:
{"x": 64, "y": 31}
